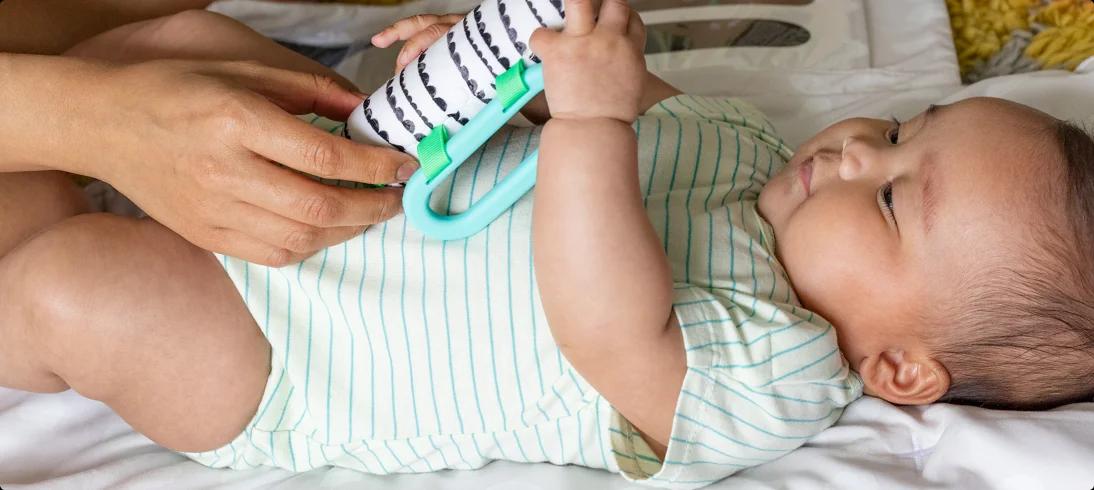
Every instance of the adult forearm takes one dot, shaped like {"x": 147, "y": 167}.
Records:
{"x": 42, "y": 97}
{"x": 601, "y": 269}
{"x": 54, "y": 26}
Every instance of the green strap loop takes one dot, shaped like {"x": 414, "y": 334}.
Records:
{"x": 431, "y": 150}
{"x": 432, "y": 153}
{"x": 510, "y": 85}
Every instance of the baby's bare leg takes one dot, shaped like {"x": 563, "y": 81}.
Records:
{"x": 29, "y": 203}
{"x": 197, "y": 35}
{"x": 127, "y": 312}
{"x": 32, "y": 201}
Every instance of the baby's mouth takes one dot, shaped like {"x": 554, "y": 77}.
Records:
{"x": 805, "y": 174}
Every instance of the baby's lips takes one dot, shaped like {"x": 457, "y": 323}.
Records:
{"x": 805, "y": 175}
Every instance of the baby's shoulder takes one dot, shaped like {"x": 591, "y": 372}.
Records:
{"x": 728, "y": 111}
{"x": 723, "y": 144}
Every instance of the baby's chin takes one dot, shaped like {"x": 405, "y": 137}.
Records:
{"x": 778, "y": 199}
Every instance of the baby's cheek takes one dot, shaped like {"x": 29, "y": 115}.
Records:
{"x": 819, "y": 257}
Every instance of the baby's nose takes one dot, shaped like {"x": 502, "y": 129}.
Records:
{"x": 855, "y": 158}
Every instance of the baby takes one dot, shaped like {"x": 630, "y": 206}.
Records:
{"x": 680, "y": 298}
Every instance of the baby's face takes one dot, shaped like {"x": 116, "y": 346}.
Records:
{"x": 876, "y": 221}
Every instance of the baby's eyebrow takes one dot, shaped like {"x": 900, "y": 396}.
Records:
{"x": 928, "y": 192}
{"x": 931, "y": 110}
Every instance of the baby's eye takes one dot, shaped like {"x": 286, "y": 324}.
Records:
{"x": 893, "y": 133}
{"x": 885, "y": 201}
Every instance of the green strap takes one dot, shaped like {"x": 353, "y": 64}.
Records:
{"x": 432, "y": 153}
{"x": 510, "y": 84}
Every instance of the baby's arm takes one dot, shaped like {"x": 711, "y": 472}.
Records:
{"x": 604, "y": 278}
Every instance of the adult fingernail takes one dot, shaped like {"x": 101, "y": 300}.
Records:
{"x": 406, "y": 170}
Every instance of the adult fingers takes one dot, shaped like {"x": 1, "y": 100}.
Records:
{"x": 291, "y": 142}
{"x": 419, "y": 43}
{"x": 614, "y": 16}
{"x": 580, "y": 17}
{"x": 302, "y": 199}
{"x": 292, "y": 235}
{"x": 405, "y": 29}
{"x": 296, "y": 92}
{"x": 241, "y": 245}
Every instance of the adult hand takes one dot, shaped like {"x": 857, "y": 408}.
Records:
{"x": 194, "y": 144}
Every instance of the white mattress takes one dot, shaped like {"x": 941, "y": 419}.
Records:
{"x": 65, "y": 441}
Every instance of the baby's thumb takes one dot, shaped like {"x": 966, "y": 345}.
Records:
{"x": 542, "y": 40}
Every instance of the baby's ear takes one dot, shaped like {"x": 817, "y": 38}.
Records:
{"x": 903, "y": 379}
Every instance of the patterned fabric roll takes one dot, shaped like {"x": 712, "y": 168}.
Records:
{"x": 453, "y": 79}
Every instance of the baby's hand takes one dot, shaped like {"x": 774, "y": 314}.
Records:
{"x": 419, "y": 32}
{"x": 594, "y": 68}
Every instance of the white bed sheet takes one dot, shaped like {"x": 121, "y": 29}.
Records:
{"x": 65, "y": 441}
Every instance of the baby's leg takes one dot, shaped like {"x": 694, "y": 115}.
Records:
{"x": 29, "y": 203}
{"x": 127, "y": 312}
{"x": 199, "y": 35}
{"x": 32, "y": 201}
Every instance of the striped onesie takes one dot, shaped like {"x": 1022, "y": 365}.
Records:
{"x": 397, "y": 353}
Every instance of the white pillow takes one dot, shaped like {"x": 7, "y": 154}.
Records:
{"x": 1062, "y": 94}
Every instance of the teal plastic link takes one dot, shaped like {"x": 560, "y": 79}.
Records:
{"x": 481, "y": 127}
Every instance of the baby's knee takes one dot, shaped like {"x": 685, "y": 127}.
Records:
{"x": 189, "y": 23}
{"x": 79, "y": 260}
{"x": 185, "y": 25}
{"x": 140, "y": 40}
{"x": 75, "y": 268}
{"x": 58, "y": 259}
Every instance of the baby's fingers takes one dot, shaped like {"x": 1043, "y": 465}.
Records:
{"x": 420, "y": 42}
{"x": 542, "y": 40}
{"x": 580, "y": 17}
{"x": 615, "y": 15}
{"x": 636, "y": 30}
{"x": 407, "y": 28}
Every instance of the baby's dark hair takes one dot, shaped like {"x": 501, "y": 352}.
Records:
{"x": 1023, "y": 334}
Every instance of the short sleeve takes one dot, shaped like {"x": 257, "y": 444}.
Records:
{"x": 746, "y": 128}
{"x": 762, "y": 379}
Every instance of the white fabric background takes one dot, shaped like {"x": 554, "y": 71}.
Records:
{"x": 65, "y": 441}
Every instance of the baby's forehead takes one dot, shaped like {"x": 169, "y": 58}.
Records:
{"x": 1000, "y": 173}
{"x": 990, "y": 115}
{"x": 1001, "y": 134}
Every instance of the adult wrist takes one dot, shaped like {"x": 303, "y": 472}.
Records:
{"x": 45, "y": 100}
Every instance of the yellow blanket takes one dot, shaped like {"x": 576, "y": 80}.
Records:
{"x": 995, "y": 37}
